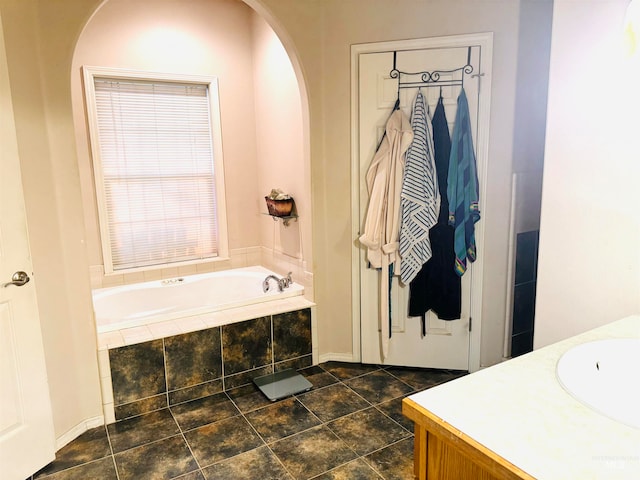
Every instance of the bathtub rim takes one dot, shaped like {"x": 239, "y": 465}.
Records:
{"x": 146, "y": 333}
{"x": 295, "y": 290}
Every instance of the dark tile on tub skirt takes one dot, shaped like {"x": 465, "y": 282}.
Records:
{"x": 281, "y": 419}
{"x": 246, "y": 345}
{"x": 367, "y": 430}
{"x": 205, "y": 410}
{"x": 193, "y": 358}
{"x": 137, "y": 371}
{"x": 140, "y": 407}
{"x": 137, "y": 431}
{"x": 91, "y": 445}
{"x": 224, "y": 439}
{"x": 295, "y": 363}
{"x": 379, "y": 386}
{"x": 256, "y": 463}
{"x": 195, "y": 392}
{"x": 291, "y": 334}
{"x": 312, "y": 452}
{"x": 104, "y": 469}
{"x": 246, "y": 378}
{"x": 165, "y": 459}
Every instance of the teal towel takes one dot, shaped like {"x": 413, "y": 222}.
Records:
{"x": 462, "y": 189}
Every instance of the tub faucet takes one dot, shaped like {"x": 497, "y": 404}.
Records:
{"x": 283, "y": 282}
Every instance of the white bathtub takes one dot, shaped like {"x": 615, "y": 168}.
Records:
{"x": 145, "y": 303}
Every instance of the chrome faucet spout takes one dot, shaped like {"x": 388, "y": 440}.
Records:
{"x": 266, "y": 286}
{"x": 284, "y": 282}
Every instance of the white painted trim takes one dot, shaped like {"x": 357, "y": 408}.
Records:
{"x": 109, "y": 411}
{"x": 482, "y": 153}
{"x": 356, "y": 51}
{"x": 314, "y": 336}
{"x": 337, "y": 357}
{"x": 511, "y": 260}
{"x": 78, "y": 430}
{"x": 485, "y": 41}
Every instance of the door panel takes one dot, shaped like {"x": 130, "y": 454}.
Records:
{"x": 27, "y": 440}
{"x": 10, "y": 415}
{"x": 446, "y": 344}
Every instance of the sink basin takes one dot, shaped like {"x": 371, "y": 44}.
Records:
{"x": 604, "y": 376}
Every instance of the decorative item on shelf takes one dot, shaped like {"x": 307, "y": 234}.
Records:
{"x": 279, "y": 204}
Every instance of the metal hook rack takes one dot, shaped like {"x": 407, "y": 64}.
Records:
{"x": 432, "y": 78}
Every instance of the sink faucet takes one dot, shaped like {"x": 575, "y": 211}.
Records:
{"x": 283, "y": 282}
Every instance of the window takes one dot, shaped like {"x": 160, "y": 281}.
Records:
{"x": 157, "y": 161}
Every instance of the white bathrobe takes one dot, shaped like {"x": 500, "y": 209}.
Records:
{"x": 382, "y": 222}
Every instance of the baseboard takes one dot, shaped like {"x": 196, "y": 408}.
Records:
{"x": 336, "y": 357}
{"x": 78, "y": 430}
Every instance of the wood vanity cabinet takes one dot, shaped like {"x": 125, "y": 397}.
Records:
{"x": 442, "y": 452}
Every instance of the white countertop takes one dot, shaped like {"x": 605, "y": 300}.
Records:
{"x": 518, "y": 410}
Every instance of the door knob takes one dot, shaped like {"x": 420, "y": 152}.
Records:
{"x": 18, "y": 279}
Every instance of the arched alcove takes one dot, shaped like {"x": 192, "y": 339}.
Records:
{"x": 264, "y": 117}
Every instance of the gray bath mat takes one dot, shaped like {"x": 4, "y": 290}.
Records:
{"x": 282, "y": 384}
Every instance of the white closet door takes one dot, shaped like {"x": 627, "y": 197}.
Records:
{"x": 446, "y": 344}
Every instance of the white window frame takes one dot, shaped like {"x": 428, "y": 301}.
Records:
{"x": 89, "y": 75}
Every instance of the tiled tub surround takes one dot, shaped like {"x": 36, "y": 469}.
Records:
{"x": 238, "y": 257}
{"x": 151, "y": 374}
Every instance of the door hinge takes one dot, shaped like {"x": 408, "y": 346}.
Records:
{"x": 470, "y": 322}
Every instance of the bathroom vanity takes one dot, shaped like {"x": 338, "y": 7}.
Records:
{"x": 516, "y": 421}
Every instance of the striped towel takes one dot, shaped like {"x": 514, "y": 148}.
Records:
{"x": 419, "y": 199}
{"x": 462, "y": 188}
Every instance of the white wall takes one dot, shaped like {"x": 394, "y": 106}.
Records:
{"x": 589, "y": 261}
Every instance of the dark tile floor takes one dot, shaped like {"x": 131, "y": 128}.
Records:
{"x": 348, "y": 426}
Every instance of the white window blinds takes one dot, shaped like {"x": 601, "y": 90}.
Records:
{"x": 157, "y": 172}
